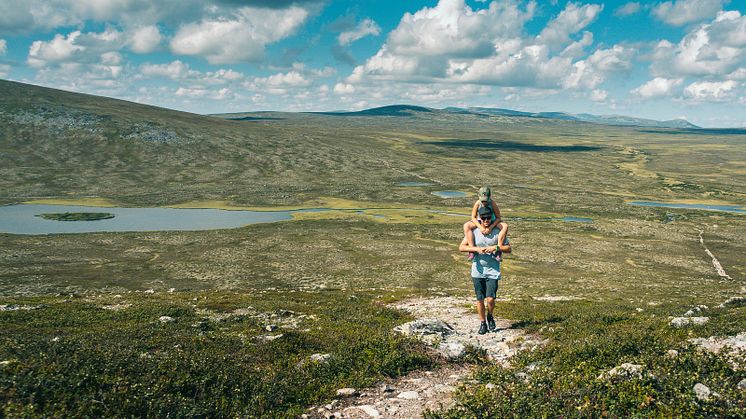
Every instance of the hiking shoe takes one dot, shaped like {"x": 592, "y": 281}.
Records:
{"x": 491, "y": 323}
{"x": 471, "y": 256}
{"x": 483, "y": 328}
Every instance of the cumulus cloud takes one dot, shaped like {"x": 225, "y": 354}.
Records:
{"x": 711, "y": 91}
{"x": 364, "y": 28}
{"x": 657, "y": 87}
{"x": 145, "y": 39}
{"x": 627, "y": 9}
{"x": 175, "y": 70}
{"x": 599, "y": 95}
{"x": 61, "y": 48}
{"x": 682, "y": 12}
{"x": 714, "y": 49}
{"x": 556, "y": 35}
{"x": 242, "y": 37}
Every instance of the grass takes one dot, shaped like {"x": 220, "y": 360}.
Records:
{"x": 77, "y": 216}
{"x": 75, "y": 357}
{"x": 340, "y": 266}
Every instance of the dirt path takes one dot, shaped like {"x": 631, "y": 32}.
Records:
{"x": 411, "y": 395}
{"x": 715, "y": 262}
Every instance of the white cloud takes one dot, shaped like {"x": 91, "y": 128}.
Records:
{"x": 363, "y": 29}
{"x": 3, "y": 47}
{"x": 657, "y": 87}
{"x": 145, "y": 39}
{"x": 681, "y": 12}
{"x": 4, "y": 70}
{"x": 571, "y": 20}
{"x": 175, "y": 70}
{"x": 711, "y": 91}
{"x": 61, "y": 48}
{"x": 627, "y": 9}
{"x": 242, "y": 37}
{"x": 599, "y": 95}
{"x": 714, "y": 49}
{"x": 455, "y": 30}
{"x": 344, "y": 89}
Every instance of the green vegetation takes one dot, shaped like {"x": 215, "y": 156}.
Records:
{"x": 623, "y": 275}
{"x": 106, "y": 356}
{"x": 76, "y": 216}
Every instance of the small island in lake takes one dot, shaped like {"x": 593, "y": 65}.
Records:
{"x": 77, "y": 216}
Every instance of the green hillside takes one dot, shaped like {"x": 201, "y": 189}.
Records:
{"x": 84, "y": 332}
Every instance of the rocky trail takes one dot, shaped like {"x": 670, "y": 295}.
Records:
{"x": 448, "y": 325}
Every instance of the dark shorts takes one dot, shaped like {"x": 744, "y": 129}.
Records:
{"x": 485, "y": 288}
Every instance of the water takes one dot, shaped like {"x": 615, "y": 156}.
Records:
{"x": 412, "y": 184}
{"x": 22, "y": 219}
{"x": 577, "y": 220}
{"x": 706, "y": 207}
{"x": 449, "y": 194}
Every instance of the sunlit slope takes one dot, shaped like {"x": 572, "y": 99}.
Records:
{"x": 60, "y": 144}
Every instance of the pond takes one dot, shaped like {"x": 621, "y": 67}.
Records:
{"x": 22, "y": 219}
{"x": 706, "y": 207}
{"x": 449, "y": 194}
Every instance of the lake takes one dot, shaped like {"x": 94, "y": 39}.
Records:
{"x": 449, "y": 194}
{"x": 22, "y": 219}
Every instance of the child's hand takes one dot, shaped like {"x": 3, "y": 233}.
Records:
{"x": 488, "y": 230}
{"x": 483, "y": 230}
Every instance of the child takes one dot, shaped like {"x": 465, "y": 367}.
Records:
{"x": 485, "y": 200}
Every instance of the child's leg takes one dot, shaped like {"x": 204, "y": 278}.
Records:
{"x": 468, "y": 227}
{"x": 503, "y": 226}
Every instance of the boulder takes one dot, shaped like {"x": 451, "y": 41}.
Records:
{"x": 679, "y": 322}
{"x": 702, "y": 392}
{"x": 452, "y": 350}
{"x": 166, "y": 319}
{"x": 409, "y": 395}
{"x": 423, "y": 327}
{"x": 625, "y": 371}
{"x": 346, "y": 392}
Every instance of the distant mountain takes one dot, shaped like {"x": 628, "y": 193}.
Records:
{"x": 391, "y": 110}
{"x": 583, "y": 117}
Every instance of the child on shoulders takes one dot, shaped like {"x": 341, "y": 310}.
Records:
{"x": 485, "y": 200}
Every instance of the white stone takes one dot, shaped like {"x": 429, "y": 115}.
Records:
{"x": 452, "y": 350}
{"x": 320, "y": 358}
{"x": 270, "y": 327}
{"x": 742, "y": 384}
{"x": 346, "y": 392}
{"x": 369, "y": 410}
{"x": 685, "y": 321}
{"x": 672, "y": 353}
{"x": 702, "y": 392}
{"x": 166, "y": 319}
{"x": 150, "y": 291}
{"x": 489, "y": 386}
{"x": 409, "y": 395}
{"x": 624, "y": 371}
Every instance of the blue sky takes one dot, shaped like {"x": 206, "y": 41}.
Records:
{"x": 659, "y": 60}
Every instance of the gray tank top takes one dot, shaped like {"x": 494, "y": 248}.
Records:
{"x": 485, "y": 266}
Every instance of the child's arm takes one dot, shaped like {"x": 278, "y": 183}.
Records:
{"x": 465, "y": 247}
{"x": 474, "y": 210}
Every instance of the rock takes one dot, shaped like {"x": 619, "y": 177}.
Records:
{"x": 346, "y": 392}
{"x": 742, "y": 384}
{"x": 5, "y": 363}
{"x": 385, "y": 388}
{"x": 409, "y": 395}
{"x": 702, "y": 392}
{"x": 522, "y": 376}
{"x": 452, "y": 350}
{"x": 369, "y": 410}
{"x": 271, "y": 327}
{"x": 732, "y": 301}
{"x": 695, "y": 310}
{"x": 489, "y": 386}
{"x": 269, "y": 338}
{"x": 166, "y": 319}
{"x": 150, "y": 291}
{"x": 672, "y": 353}
{"x": 679, "y": 322}
{"x": 424, "y": 327}
{"x": 716, "y": 344}
{"x": 625, "y": 371}
{"x": 320, "y": 358}
{"x": 56, "y": 339}
{"x": 171, "y": 290}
